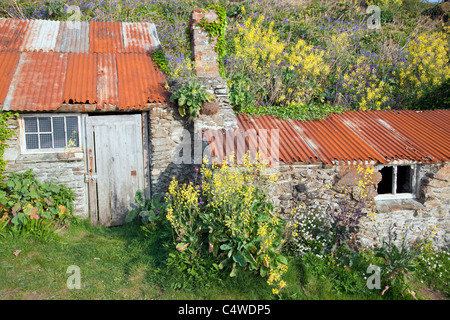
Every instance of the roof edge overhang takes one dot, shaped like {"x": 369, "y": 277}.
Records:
{"x": 92, "y": 108}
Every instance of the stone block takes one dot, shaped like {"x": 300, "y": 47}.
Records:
{"x": 443, "y": 174}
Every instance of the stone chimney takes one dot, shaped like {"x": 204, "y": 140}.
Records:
{"x": 207, "y": 71}
{"x": 203, "y": 48}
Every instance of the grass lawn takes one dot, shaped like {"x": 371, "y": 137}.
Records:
{"x": 115, "y": 263}
{"x": 123, "y": 263}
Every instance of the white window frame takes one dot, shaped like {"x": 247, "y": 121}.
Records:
{"x": 23, "y": 145}
{"x": 394, "y": 195}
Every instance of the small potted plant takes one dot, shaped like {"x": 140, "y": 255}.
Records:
{"x": 190, "y": 99}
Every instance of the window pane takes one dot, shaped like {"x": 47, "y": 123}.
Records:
{"x": 45, "y": 124}
{"x": 404, "y": 179}
{"x": 59, "y": 135}
{"x": 30, "y": 124}
{"x": 31, "y": 141}
{"x": 45, "y": 141}
{"x": 72, "y": 132}
{"x": 385, "y": 185}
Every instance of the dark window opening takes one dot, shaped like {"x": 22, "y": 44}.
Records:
{"x": 385, "y": 185}
{"x": 404, "y": 179}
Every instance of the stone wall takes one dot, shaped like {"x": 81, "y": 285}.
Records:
{"x": 166, "y": 132}
{"x": 321, "y": 188}
{"x": 66, "y": 168}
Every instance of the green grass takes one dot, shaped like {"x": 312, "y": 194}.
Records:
{"x": 125, "y": 263}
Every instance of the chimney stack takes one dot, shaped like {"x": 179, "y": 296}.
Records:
{"x": 203, "y": 48}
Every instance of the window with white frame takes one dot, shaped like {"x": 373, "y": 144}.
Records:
{"x": 397, "y": 182}
{"x": 50, "y": 132}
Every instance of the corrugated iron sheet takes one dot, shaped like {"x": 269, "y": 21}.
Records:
{"x": 12, "y": 33}
{"x": 332, "y": 141}
{"x": 81, "y": 79}
{"x": 8, "y": 64}
{"x": 374, "y": 136}
{"x": 139, "y": 37}
{"x": 87, "y": 72}
{"x": 139, "y": 81}
{"x": 107, "y": 86}
{"x": 73, "y": 37}
{"x": 38, "y": 82}
{"x": 292, "y": 148}
{"x": 440, "y": 118}
{"x": 105, "y": 37}
{"x": 389, "y": 144}
{"x": 41, "y": 35}
{"x": 422, "y": 133}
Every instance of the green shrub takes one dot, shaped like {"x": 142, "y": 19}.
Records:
{"x": 228, "y": 216}
{"x": 149, "y": 211}
{"x": 161, "y": 60}
{"x": 5, "y": 134}
{"x": 433, "y": 268}
{"x": 32, "y": 207}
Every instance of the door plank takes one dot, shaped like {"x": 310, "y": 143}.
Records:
{"x": 119, "y": 165}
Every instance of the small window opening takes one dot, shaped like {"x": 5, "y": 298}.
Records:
{"x": 396, "y": 181}
{"x": 404, "y": 179}
{"x": 385, "y": 185}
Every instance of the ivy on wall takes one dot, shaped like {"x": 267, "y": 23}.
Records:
{"x": 217, "y": 28}
{"x": 5, "y": 133}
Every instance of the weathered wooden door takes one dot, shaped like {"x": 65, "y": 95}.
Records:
{"x": 115, "y": 166}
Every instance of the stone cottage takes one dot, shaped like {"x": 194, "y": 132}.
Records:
{"x": 95, "y": 115}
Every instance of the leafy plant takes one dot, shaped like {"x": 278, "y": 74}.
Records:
{"x": 190, "y": 98}
{"x": 217, "y": 29}
{"x": 227, "y": 215}
{"x": 161, "y": 60}
{"x": 5, "y": 133}
{"x": 149, "y": 211}
{"x": 398, "y": 259}
{"x": 34, "y": 207}
{"x": 240, "y": 93}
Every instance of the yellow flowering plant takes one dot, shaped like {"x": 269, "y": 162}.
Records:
{"x": 226, "y": 214}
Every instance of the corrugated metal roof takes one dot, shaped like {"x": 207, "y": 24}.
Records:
{"x": 332, "y": 141}
{"x": 386, "y": 142}
{"x": 135, "y": 73}
{"x": 292, "y": 148}
{"x": 373, "y": 136}
{"x": 139, "y": 37}
{"x": 38, "y": 82}
{"x": 81, "y": 79}
{"x": 73, "y": 37}
{"x": 8, "y": 64}
{"x": 12, "y": 33}
{"x": 41, "y": 35}
{"x": 422, "y": 133}
{"x": 107, "y": 86}
{"x": 105, "y": 37}
{"x": 77, "y": 63}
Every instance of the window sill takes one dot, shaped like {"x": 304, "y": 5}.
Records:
{"x": 51, "y": 157}
{"x": 390, "y": 205}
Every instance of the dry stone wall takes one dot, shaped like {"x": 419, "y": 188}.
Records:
{"x": 330, "y": 188}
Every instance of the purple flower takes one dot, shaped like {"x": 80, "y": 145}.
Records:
{"x": 201, "y": 201}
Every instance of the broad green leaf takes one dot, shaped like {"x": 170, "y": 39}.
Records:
{"x": 239, "y": 258}
{"x": 131, "y": 216}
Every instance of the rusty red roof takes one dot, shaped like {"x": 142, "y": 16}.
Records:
{"x": 353, "y": 136}
{"x": 47, "y": 64}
